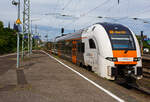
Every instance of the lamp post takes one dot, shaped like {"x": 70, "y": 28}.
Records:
{"x": 18, "y": 22}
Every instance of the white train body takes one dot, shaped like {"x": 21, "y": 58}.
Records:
{"x": 97, "y": 57}
{"x": 111, "y": 50}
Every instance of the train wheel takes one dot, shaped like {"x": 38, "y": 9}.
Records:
{"x": 81, "y": 65}
{"x": 89, "y": 68}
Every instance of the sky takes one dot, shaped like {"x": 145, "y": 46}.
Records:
{"x": 48, "y": 14}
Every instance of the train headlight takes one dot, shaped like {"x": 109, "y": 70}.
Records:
{"x": 137, "y": 59}
{"x": 114, "y": 59}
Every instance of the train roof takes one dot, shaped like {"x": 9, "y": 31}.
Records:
{"x": 106, "y": 25}
{"x": 114, "y": 26}
{"x": 69, "y": 36}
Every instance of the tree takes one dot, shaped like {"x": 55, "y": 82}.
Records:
{"x": 1, "y": 25}
{"x": 8, "y": 39}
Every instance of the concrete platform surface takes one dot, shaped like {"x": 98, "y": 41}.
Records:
{"x": 42, "y": 79}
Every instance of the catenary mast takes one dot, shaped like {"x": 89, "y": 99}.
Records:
{"x": 26, "y": 24}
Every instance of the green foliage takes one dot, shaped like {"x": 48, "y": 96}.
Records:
{"x": 8, "y": 40}
{"x": 145, "y": 44}
{"x": 1, "y": 25}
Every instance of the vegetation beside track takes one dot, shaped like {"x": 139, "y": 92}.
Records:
{"x": 8, "y": 39}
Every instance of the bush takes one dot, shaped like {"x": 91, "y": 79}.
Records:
{"x": 8, "y": 40}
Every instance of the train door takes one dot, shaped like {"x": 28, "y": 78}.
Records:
{"x": 74, "y": 51}
{"x": 91, "y": 54}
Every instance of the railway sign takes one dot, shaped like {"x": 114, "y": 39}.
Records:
{"x": 36, "y": 37}
{"x": 25, "y": 37}
{"x": 146, "y": 39}
{"x": 18, "y": 21}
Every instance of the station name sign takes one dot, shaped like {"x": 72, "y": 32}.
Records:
{"x": 117, "y": 32}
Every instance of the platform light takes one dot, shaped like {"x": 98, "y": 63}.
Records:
{"x": 18, "y": 25}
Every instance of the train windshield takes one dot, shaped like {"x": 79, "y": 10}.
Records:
{"x": 122, "y": 42}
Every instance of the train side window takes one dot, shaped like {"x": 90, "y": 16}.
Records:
{"x": 92, "y": 44}
{"x": 82, "y": 47}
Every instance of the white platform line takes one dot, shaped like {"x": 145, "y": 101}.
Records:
{"x": 98, "y": 86}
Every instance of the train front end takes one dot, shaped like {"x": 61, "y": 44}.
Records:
{"x": 126, "y": 54}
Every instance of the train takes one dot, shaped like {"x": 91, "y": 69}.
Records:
{"x": 110, "y": 50}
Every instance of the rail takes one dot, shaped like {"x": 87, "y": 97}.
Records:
{"x": 146, "y": 68}
{"x": 146, "y": 65}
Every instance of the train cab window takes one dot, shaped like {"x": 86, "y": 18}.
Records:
{"x": 122, "y": 42}
{"x": 92, "y": 44}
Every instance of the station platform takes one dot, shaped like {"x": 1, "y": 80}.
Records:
{"x": 43, "y": 79}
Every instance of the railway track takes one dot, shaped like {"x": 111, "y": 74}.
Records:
{"x": 146, "y": 75}
{"x": 146, "y": 68}
{"x": 138, "y": 88}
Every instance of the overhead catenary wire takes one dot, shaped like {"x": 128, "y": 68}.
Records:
{"x": 145, "y": 10}
{"x": 92, "y": 20}
{"x": 91, "y": 10}
{"x": 114, "y": 18}
{"x": 59, "y": 13}
{"x": 54, "y": 13}
{"x": 85, "y": 14}
{"x": 73, "y": 20}
{"x": 134, "y": 17}
{"x": 67, "y": 4}
{"x": 65, "y": 15}
{"x": 73, "y": 16}
{"x": 100, "y": 5}
{"x": 128, "y": 13}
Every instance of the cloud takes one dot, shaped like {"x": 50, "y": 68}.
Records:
{"x": 91, "y": 9}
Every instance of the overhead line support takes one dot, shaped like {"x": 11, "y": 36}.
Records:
{"x": 26, "y": 24}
